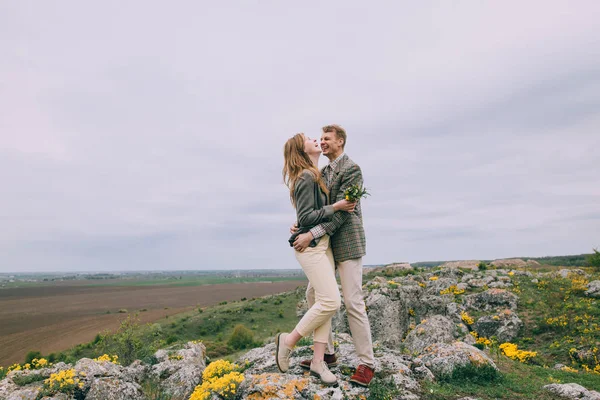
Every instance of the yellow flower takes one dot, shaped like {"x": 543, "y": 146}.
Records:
{"x": 511, "y": 350}
{"x": 433, "y": 278}
{"x": 467, "y": 319}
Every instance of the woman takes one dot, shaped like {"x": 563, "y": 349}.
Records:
{"x": 309, "y": 196}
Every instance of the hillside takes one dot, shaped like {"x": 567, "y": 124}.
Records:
{"x": 441, "y": 333}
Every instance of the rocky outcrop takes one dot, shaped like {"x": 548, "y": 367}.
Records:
{"x": 593, "y": 289}
{"x": 509, "y": 263}
{"x": 437, "y": 329}
{"x": 392, "y": 268}
{"x": 572, "y": 391}
{"x": 470, "y": 264}
{"x": 491, "y": 300}
{"x": 505, "y": 325}
{"x": 442, "y": 359}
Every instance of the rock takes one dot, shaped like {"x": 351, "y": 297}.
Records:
{"x": 499, "y": 285}
{"x": 393, "y": 268}
{"x": 559, "y": 366}
{"x": 436, "y": 329}
{"x": 111, "y": 388}
{"x": 89, "y": 369}
{"x": 535, "y": 280}
{"x": 572, "y": 391}
{"x": 442, "y": 359}
{"x": 564, "y": 273}
{"x": 388, "y": 318}
{"x": 509, "y": 262}
{"x": 451, "y": 272}
{"x": 491, "y": 299}
{"x": 435, "y": 287}
{"x": 264, "y": 379}
{"x": 505, "y": 325}
{"x": 179, "y": 377}
{"x": 26, "y": 393}
{"x": 136, "y": 371}
{"x": 470, "y": 264}
{"x": 593, "y": 289}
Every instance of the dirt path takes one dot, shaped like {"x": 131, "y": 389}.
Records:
{"x": 53, "y": 319}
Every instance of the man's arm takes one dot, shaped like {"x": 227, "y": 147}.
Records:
{"x": 352, "y": 177}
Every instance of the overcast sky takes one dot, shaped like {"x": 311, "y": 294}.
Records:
{"x": 149, "y": 135}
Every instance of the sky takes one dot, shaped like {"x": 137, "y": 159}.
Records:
{"x": 147, "y": 135}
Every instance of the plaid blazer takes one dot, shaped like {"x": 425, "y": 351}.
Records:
{"x": 346, "y": 230}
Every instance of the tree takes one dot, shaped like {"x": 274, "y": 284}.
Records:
{"x": 594, "y": 259}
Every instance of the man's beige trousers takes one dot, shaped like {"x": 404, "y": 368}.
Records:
{"x": 351, "y": 279}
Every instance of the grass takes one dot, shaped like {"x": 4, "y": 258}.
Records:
{"x": 517, "y": 381}
{"x": 264, "y": 317}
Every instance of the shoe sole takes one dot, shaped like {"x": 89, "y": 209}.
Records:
{"x": 359, "y": 383}
{"x": 324, "y": 383}
{"x": 328, "y": 365}
{"x": 277, "y": 341}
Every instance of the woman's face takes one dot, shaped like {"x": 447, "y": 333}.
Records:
{"x": 311, "y": 146}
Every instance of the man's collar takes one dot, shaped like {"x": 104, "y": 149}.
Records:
{"x": 337, "y": 160}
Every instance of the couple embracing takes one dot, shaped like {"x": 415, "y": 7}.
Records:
{"x": 328, "y": 235}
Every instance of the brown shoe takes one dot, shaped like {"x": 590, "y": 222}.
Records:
{"x": 330, "y": 359}
{"x": 363, "y": 375}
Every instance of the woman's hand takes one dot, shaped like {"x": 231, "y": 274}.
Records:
{"x": 344, "y": 205}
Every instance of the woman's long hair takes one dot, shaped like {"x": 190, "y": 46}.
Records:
{"x": 296, "y": 160}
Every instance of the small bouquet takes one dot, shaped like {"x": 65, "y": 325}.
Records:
{"x": 355, "y": 193}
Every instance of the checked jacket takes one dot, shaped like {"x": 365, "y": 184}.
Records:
{"x": 346, "y": 229}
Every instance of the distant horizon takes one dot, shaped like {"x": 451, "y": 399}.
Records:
{"x": 173, "y": 271}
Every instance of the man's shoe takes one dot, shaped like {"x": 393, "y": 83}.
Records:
{"x": 330, "y": 359}
{"x": 363, "y": 375}
{"x": 282, "y": 353}
{"x": 320, "y": 370}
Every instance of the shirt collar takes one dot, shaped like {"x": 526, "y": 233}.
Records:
{"x": 335, "y": 162}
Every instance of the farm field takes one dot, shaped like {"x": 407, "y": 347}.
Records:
{"x": 56, "y": 317}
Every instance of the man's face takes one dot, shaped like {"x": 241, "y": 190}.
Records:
{"x": 331, "y": 144}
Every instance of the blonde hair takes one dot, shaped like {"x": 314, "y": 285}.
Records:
{"x": 340, "y": 133}
{"x": 296, "y": 160}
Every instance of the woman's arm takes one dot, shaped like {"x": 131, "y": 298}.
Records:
{"x": 306, "y": 211}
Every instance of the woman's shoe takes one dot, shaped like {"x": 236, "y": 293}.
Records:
{"x": 320, "y": 369}
{"x": 282, "y": 353}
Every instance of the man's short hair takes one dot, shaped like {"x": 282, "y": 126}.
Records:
{"x": 340, "y": 133}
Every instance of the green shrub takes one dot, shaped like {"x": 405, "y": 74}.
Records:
{"x": 31, "y": 355}
{"x": 22, "y": 380}
{"x": 482, "y": 374}
{"x": 241, "y": 338}
{"x": 594, "y": 259}
{"x": 482, "y": 266}
{"x": 383, "y": 389}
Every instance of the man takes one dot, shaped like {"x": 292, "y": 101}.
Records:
{"x": 349, "y": 246}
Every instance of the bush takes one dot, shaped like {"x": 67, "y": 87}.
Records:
{"x": 31, "y": 355}
{"x": 482, "y": 266}
{"x": 594, "y": 259}
{"x": 483, "y": 374}
{"x": 241, "y": 338}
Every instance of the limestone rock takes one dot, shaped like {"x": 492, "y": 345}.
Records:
{"x": 470, "y": 264}
{"x": 564, "y": 273}
{"x": 443, "y": 358}
{"x": 388, "y": 318}
{"x": 491, "y": 299}
{"x": 572, "y": 391}
{"x": 509, "y": 262}
{"x": 436, "y": 329}
{"x": 593, "y": 289}
{"x": 180, "y": 374}
{"x": 505, "y": 325}
{"x": 111, "y": 388}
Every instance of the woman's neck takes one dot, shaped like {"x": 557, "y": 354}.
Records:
{"x": 315, "y": 160}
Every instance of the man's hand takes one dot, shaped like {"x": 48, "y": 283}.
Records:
{"x": 302, "y": 241}
{"x": 294, "y": 228}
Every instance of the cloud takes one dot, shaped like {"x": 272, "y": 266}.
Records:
{"x": 143, "y": 137}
